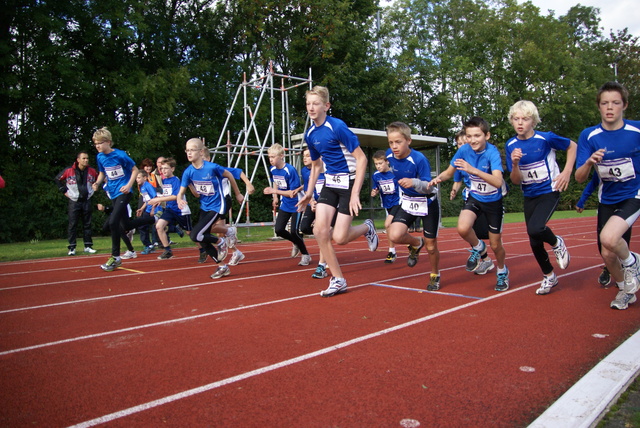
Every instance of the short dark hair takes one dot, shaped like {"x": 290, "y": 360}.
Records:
{"x": 380, "y": 154}
{"x": 476, "y": 122}
{"x": 147, "y": 162}
{"x": 612, "y": 86}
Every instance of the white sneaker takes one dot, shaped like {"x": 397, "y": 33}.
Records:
{"x": 295, "y": 251}
{"x": 623, "y": 300}
{"x": 306, "y": 259}
{"x": 485, "y": 266}
{"x": 220, "y": 272}
{"x": 222, "y": 250}
{"x": 371, "y": 235}
{"x": 129, "y": 255}
{"x": 336, "y": 286}
{"x": 89, "y": 250}
{"x": 562, "y": 254}
{"x": 232, "y": 237}
{"x": 547, "y": 284}
{"x": 236, "y": 258}
{"x": 631, "y": 281}
{"x": 72, "y": 252}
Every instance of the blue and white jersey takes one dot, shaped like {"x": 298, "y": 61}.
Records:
{"x": 538, "y": 163}
{"x": 171, "y": 186}
{"x": 335, "y": 143}
{"x": 486, "y": 161}
{"x": 148, "y": 192}
{"x": 286, "y": 178}
{"x": 207, "y": 180}
{"x": 416, "y": 165}
{"x": 306, "y": 174}
{"x": 116, "y": 167}
{"x": 387, "y": 186}
{"x": 619, "y": 169}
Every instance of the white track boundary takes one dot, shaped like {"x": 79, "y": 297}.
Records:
{"x": 588, "y": 401}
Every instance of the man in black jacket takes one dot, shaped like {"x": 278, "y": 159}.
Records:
{"x": 75, "y": 182}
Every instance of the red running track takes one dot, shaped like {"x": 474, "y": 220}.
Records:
{"x": 160, "y": 343}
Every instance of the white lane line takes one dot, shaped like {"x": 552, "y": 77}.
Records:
{"x": 211, "y": 386}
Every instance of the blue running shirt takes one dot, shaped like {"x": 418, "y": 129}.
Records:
{"x": 538, "y": 163}
{"x": 619, "y": 169}
{"x": 335, "y": 143}
{"x": 116, "y": 167}
{"x": 487, "y": 161}
{"x": 207, "y": 181}
{"x": 286, "y": 178}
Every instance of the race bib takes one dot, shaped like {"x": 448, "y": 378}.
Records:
{"x": 536, "y": 172}
{"x": 481, "y": 187}
{"x": 388, "y": 187}
{"x": 166, "y": 189}
{"x": 415, "y": 205}
{"x": 114, "y": 172}
{"x": 280, "y": 182}
{"x": 616, "y": 170}
{"x": 204, "y": 188}
{"x": 337, "y": 181}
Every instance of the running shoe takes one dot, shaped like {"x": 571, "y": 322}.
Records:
{"x": 166, "y": 255}
{"x": 111, "y": 264}
{"x": 306, "y": 259}
{"x": 371, "y": 235}
{"x": 222, "y": 250}
{"x": 473, "y": 262}
{"x": 72, "y": 252}
{"x": 414, "y": 253}
{"x": 434, "y": 282}
{"x": 89, "y": 250}
{"x": 485, "y": 266}
{"x": 623, "y": 300}
{"x": 605, "y": 277}
{"x": 336, "y": 286}
{"x": 295, "y": 251}
{"x": 179, "y": 231}
{"x": 236, "y": 258}
{"x": 562, "y": 254}
{"x": 321, "y": 272}
{"x": 631, "y": 281}
{"x": 503, "y": 281}
{"x": 232, "y": 237}
{"x": 148, "y": 250}
{"x": 203, "y": 257}
{"x": 391, "y": 257}
{"x": 547, "y": 284}
{"x": 220, "y": 272}
{"x": 130, "y": 255}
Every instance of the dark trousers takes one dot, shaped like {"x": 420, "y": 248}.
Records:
{"x": 79, "y": 210}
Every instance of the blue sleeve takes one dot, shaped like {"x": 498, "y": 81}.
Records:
{"x": 584, "y": 149}
{"x": 186, "y": 178}
{"x": 588, "y": 190}
{"x": 294, "y": 178}
{"x": 236, "y": 172}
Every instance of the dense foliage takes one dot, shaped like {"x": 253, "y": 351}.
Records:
{"x": 158, "y": 72}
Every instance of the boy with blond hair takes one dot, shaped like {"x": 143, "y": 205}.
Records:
{"x": 333, "y": 144}
{"x": 286, "y": 183}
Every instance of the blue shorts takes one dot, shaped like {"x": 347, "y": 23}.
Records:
{"x": 172, "y": 217}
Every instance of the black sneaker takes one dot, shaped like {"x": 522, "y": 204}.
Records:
{"x": 434, "y": 282}
{"x": 605, "y": 277}
{"x": 391, "y": 257}
{"x": 166, "y": 254}
{"x": 414, "y": 253}
{"x": 203, "y": 257}
{"x": 473, "y": 262}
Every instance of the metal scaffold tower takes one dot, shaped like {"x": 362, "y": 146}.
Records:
{"x": 256, "y": 137}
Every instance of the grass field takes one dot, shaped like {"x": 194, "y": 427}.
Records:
{"x": 58, "y": 247}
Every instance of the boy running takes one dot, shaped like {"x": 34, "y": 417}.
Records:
{"x": 172, "y": 213}
{"x": 115, "y": 166}
{"x": 384, "y": 183}
{"x": 611, "y": 148}
{"x": 531, "y": 158}
{"x": 417, "y": 200}
{"x": 481, "y": 160}
{"x": 330, "y": 141}
{"x": 286, "y": 183}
